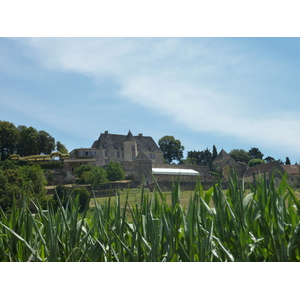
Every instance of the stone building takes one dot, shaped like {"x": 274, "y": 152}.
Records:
{"x": 117, "y": 147}
{"x": 224, "y": 164}
{"x": 132, "y": 152}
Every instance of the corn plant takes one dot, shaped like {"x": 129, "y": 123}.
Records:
{"x": 239, "y": 224}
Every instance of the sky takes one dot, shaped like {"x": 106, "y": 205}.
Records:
{"x": 234, "y": 93}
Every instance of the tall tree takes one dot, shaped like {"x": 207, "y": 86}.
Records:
{"x": 215, "y": 152}
{"x": 171, "y": 148}
{"x": 240, "y": 155}
{"x": 255, "y": 153}
{"x": 287, "y": 161}
{"x": 61, "y": 148}
{"x": 9, "y": 136}
{"x": 46, "y": 143}
{"x": 28, "y": 142}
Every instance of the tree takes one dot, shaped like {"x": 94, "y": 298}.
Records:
{"x": 255, "y": 153}
{"x": 171, "y": 148}
{"x": 203, "y": 158}
{"x": 61, "y": 148}
{"x": 9, "y": 136}
{"x": 269, "y": 159}
{"x": 114, "y": 171}
{"x": 46, "y": 143}
{"x": 28, "y": 142}
{"x": 80, "y": 171}
{"x": 96, "y": 176}
{"x": 287, "y": 161}
{"x": 255, "y": 162}
{"x": 240, "y": 155}
{"x": 215, "y": 152}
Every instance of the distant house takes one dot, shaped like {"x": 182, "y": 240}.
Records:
{"x": 270, "y": 170}
{"x": 224, "y": 164}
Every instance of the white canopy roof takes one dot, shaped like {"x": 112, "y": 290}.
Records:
{"x": 167, "y": 171}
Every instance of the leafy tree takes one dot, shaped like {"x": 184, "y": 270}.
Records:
{"x": 46, "y": 143}
{"x": 287, "y": 161}
{"x": 9, "y": 136}
{"x": 280, "y": 161}
{"x": 34, "y": 175}
{"x": 84, "y": 197}
{"x": 114, "y": 171}
{"x": 79, "y": 172}
{"x": 96, "y": 176}
{"x": 61, "y": 148}
{"x": 255, "y": 153}
{"x": 171, "y": 148}
{"x": 203, "y": 158}
{"x": 255, "y": 162}
{"x": 269, "y": 159}
{"x": 28, "y": 142}
{"x": 240, "y": 155}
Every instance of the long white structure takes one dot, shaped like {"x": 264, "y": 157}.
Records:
{"x": 169, "y": 171}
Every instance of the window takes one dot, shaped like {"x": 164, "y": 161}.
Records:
{"x": 86, "y": 153}
{"x": 152, "y": 156}
{"x": 118, "y": 154}
{"x": 106, "y": 161}
{"x": 106, "y": 153}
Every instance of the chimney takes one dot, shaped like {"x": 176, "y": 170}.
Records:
{"x": 106, "y": 133}
{"x": 140, "y": 135}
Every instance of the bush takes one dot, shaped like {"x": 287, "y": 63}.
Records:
{"x": 84, "y": 197}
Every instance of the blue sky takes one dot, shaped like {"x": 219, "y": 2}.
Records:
{"x": 229, "y": 92}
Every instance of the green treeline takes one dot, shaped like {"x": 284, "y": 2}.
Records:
{"x": 26, "y": 141}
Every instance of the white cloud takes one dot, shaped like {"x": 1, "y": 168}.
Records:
{"x": 207, "y": 85}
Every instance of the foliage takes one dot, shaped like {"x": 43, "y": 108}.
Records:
{"x": 215, "y": 153}
{"x": 240, "y": 155}
{"x": 61, "y": 148}
{"x": 13, "y": 180}
{"x": 287, "y": 161}
{"x": 269, "y": 159}
{"x": 79, "y": 172}
{"x": 255, "y": 153}
{"x": 62, "y": 195}
{"x": 204, "y": 158}
{"x": 262, "y": 225}
{"x": 83, "y": 197}
{"x": 24, "y": 141}
{"x": 96, "y": 176}
{"x": 171, "y": 148}
{"x": 255, "y": 162}
{"x": 114, "y": 171}
{"x": 9, "y": 136}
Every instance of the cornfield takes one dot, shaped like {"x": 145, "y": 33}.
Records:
{"x": 237, "y": 225}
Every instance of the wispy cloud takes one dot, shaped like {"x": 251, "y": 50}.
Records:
{"x": 208, "y": 85}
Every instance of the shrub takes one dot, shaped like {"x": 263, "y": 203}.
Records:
{"x": 84, "y": 197}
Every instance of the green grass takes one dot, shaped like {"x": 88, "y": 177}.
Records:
{"x": 262, "y": 224}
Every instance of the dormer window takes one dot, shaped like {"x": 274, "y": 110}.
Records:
{"x": 105, "y": 145}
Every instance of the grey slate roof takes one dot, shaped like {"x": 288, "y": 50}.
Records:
{"x": 223, "y": 155}
{"x": 142, "y": 156}
{"x": 115, "y": 141}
